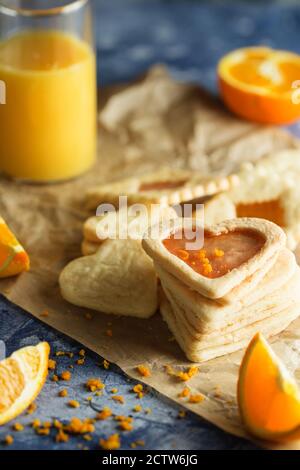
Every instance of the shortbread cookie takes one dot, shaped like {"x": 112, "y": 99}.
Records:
{"x": 239, "y": 325}
{"x": 128, "y": 222}
{"x": 167, "y": 187}
{"x": 269, "y": 327}
{"x": 207, "y": 315}
{"x": 217, "y": 209}
{"x": 234, "y": 251}
{"x": 269, "y": 188}
{"x": 118, "y": 279}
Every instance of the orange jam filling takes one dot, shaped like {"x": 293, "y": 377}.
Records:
{"x": 219, "y": 253}
{"x": 270, "y": 210}
{"x": 161, "y": 185}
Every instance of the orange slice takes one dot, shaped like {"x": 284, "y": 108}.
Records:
{"x": 13, "y": 257}
{"x": 22, "y": 377}
{"x": 268, "y": 396}
{"x": 258, "y": 84}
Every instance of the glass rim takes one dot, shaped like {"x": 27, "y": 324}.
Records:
{"x": 71, "y": 6}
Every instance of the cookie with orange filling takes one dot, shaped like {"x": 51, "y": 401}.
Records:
{"x": 167, "y": 186}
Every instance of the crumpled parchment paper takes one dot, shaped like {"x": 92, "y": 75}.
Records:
{"x": 142, "y": 126}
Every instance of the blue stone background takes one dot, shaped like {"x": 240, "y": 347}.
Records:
{"x": 189, "y": 36}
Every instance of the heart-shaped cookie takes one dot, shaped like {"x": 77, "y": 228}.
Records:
{"x": 118, "y": 279}
{"x": 214, "y": 260}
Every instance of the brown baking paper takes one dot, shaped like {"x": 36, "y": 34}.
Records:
{"x": 153, "y": 122}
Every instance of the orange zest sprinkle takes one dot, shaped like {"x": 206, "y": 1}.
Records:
{"x": 82, "y": 352}
{"x": 63, "y": 393}
{"x": 118, "y": 398}
{"x": 106, "y": 364}
{"x": 125, "y": 426}
{"x": 66, "y": 375}
{"x": 219, "y": 253}
{"x": 114, "y": 390}
{"x": 18, "y": 427}
{"x": 144, "y": 371}
{"x": 184, "y": 393}
{"x": 137, "y": 408}
{"x": 74, "y": 404}
{"x": 197, "y": 398}
{"x": 94, "y": 384}
{"x": 80, "y": 362}
{"x": 51, "y": 364}
{"x": 36, "y": 423}
{"x": 61, "y": 436}
{"x": 77, "y": 426}
{"x": 8, "y": 440}
{"x": 104, "y": 414}
{"x": 111, "y": 443}
{"x": 55, "y": 378}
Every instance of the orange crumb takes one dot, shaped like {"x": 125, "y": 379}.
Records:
{"x": 98, "y": 394}
{"x": 129, "y": 419}
{"x": 144, "y": 371}
{"x": 51, "y": 364}
{"x": 63, "y": 393}
{"x": 57, "y": 424}
{"x": 42, "y": 431}
{"x": 74, "y": 404}
{"x": 184, "y": 393}
{"x": 82, "y": 352}
{"x": 66, "y": 375}
{"x": 185, "y": 376}
{"x": 94, "y": 384}
{"x": 197, "y": 398}
{"x": 77, "y": 426}
{"x": 47, "y": 424}
{"x": 31, "y": 408}
{"x": 44, "y": 313}
{"x": 8, "y": 440}
{"x": 114, "y": 390}
{"x": 182, "y": 414}
{"x": 148, "y": 411}
{"x": 80, "y": 362}
{"x": 87, "y": 437}
{"x": 109, "y": 333}
{"x": 118, "y": 398}
{"x": 137, "y": 408}
{"x": 138, "y": 388}
{"x": 18, "y": 427}
{"x": 125, "y": 426}
{"x": 36, "y": 423}
{"x": 106, "y": 364}
{"x": 219, "y": 253}
{"x": 111, "y": 443}
{"x": 104, "y": 414}
{"x": 54, "y": 378}
{"x": 61, "y": 436}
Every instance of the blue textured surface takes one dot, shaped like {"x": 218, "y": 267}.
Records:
{"x": 190, "y": 36}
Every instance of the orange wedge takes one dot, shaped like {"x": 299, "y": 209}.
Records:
{"x": 259, "y": 84}
{"x": 22, "y": 377}
{"x": 268, "y": 396}
{"x": 13, "y": 257}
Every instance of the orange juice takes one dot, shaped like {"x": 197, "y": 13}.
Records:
{"x": 48, "y": 124}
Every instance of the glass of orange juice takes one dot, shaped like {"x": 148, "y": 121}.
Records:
{"x": 48, "y": 103}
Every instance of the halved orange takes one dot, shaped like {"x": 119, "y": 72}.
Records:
{"x": 258, "y": 84}
{"x": 22, "y": 377}
{"x": 13, "y": 257}
{"x": 268, "y": 396}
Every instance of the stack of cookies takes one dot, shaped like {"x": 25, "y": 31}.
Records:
{"x": 224, "y": 283}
